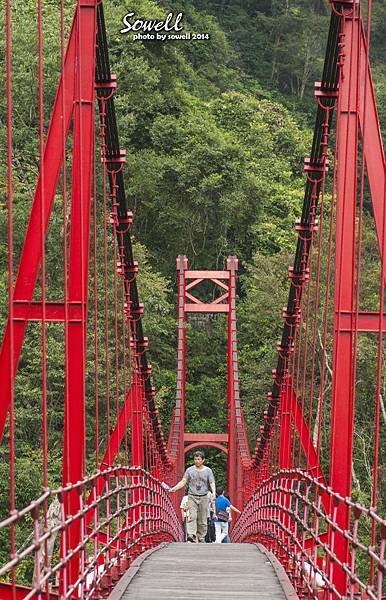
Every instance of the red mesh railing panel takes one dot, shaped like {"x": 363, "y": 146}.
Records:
{"x": 295, "y": 517}
{"x": 118, "y": 520}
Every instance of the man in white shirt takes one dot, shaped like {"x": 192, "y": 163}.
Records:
{"x": 211, "y": 534}
{"x": 184, "y": 513}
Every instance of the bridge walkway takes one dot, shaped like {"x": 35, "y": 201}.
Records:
{"x": 178, "y": 571}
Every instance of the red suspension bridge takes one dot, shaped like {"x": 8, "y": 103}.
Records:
{"x": 295, "y": 488}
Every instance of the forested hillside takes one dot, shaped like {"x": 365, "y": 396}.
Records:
{"x": 215, "y": 133}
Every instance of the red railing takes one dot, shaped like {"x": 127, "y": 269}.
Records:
{"x": 295, "y": 517}
{"x": 132, "y": 514}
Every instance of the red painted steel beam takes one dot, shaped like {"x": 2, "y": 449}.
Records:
{"x": 292, "y": 412}
{"x": 177, "y": 428}
{"x": 372, "y": 140}
{"x": 285, "y": 448}
{"x": 176, "y": 435}
{"x": 364, "y": 322}
{"x": 220, "y": 299}
{"x": 243, "y": 454}
{"x": 356, "y": 107}
{"x": 205, "y": 437}
{"x": 192, "y": 298}
{"x": 136, "y": 400}
{"x": 113, "y": 445}
{"x": 192, "y": 284}
{"x": 104, "y": 539}
{"x": 220, "y": 305}
{"x": 342, "y": 422}
{"x": 82, "y": 169}
{"x": 9, "y": 591}
{"x": 220, "y": 284}
{"x": 313, "y": 466}
{"x": 54, "y": 311}
{"x": 233, "y": 464}
{"x": 82, "y": 161}
{"x": 137, "y": 443}
{"x": 120, "y": 428}
{"x": 206, "y": 308}
{"x": 197, "y": 301}
{"x": 211, "y": 444}
{"x": 206, "y": 275}
{"x": 238, "y": 450}
{"x": 310, "y": 542}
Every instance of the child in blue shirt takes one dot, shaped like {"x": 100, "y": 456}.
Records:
{"x": 223, "y": 508}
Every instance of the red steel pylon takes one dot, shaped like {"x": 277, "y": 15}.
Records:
{"x": 237, "y": 445}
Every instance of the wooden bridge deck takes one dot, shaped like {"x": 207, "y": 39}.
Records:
{"x": 204, "y": 571}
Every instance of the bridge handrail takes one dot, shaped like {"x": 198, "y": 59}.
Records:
{"x": 287, "y": 514}
{"x": 133, "y": 514}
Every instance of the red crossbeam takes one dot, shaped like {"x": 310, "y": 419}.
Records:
{"x": 201, "y": 307}
{"x": 19, "y": 592}
{"x": 363, "y": 322}
{"x": 206, "y": 275}
{"x": 205, "y": 437}
{"x": 55, "y": 312}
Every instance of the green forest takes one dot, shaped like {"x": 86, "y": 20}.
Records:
{"x": 215, "y": 133}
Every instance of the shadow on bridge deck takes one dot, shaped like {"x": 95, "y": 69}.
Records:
{"x": 198, "y": 571}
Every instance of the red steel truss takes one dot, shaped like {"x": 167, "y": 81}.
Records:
{"x": 85, "y": 78}
{"x": 296, "y": 488}
{"x": 304, "y": 515}
{"x": 237, "y": 443}
{"x": 356, "y": 109}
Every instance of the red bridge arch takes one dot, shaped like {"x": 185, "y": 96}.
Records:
{"x": 211, "y": 444}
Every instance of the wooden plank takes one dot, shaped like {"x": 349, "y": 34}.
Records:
{"x": 196, "y": 571}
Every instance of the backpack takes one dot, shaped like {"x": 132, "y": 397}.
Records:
{"x": 222, "y": 516}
